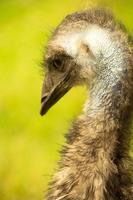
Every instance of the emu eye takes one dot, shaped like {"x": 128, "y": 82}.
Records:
{"x": 57, "y": 63}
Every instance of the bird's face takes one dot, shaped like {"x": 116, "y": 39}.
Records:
{"x": 61, "y": 73}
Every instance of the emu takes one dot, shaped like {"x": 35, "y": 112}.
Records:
{"x": 91, "y": 47}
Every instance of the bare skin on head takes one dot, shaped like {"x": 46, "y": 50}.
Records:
{"x": 91, "y": 48}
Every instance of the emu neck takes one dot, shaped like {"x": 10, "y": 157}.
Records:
{"x": 108, "y": 110}
{"x": 106, "y": 99}
{"x": 109, "y": 99}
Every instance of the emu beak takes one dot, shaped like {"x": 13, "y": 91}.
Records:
{"x": 58, "y": 91}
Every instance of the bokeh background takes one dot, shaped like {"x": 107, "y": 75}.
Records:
{"x": 29, "y": 144}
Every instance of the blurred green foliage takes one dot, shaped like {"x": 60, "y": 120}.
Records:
{"x": 28, "y": 142}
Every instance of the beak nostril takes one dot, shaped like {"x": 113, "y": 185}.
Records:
{"x": 43, "y": 98}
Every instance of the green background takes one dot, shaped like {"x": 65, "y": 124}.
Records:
{"x": 29, "y": 144}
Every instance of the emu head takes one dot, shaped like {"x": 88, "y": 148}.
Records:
{"x": 77, "y": 52}
{"x": 68, "y": 61}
